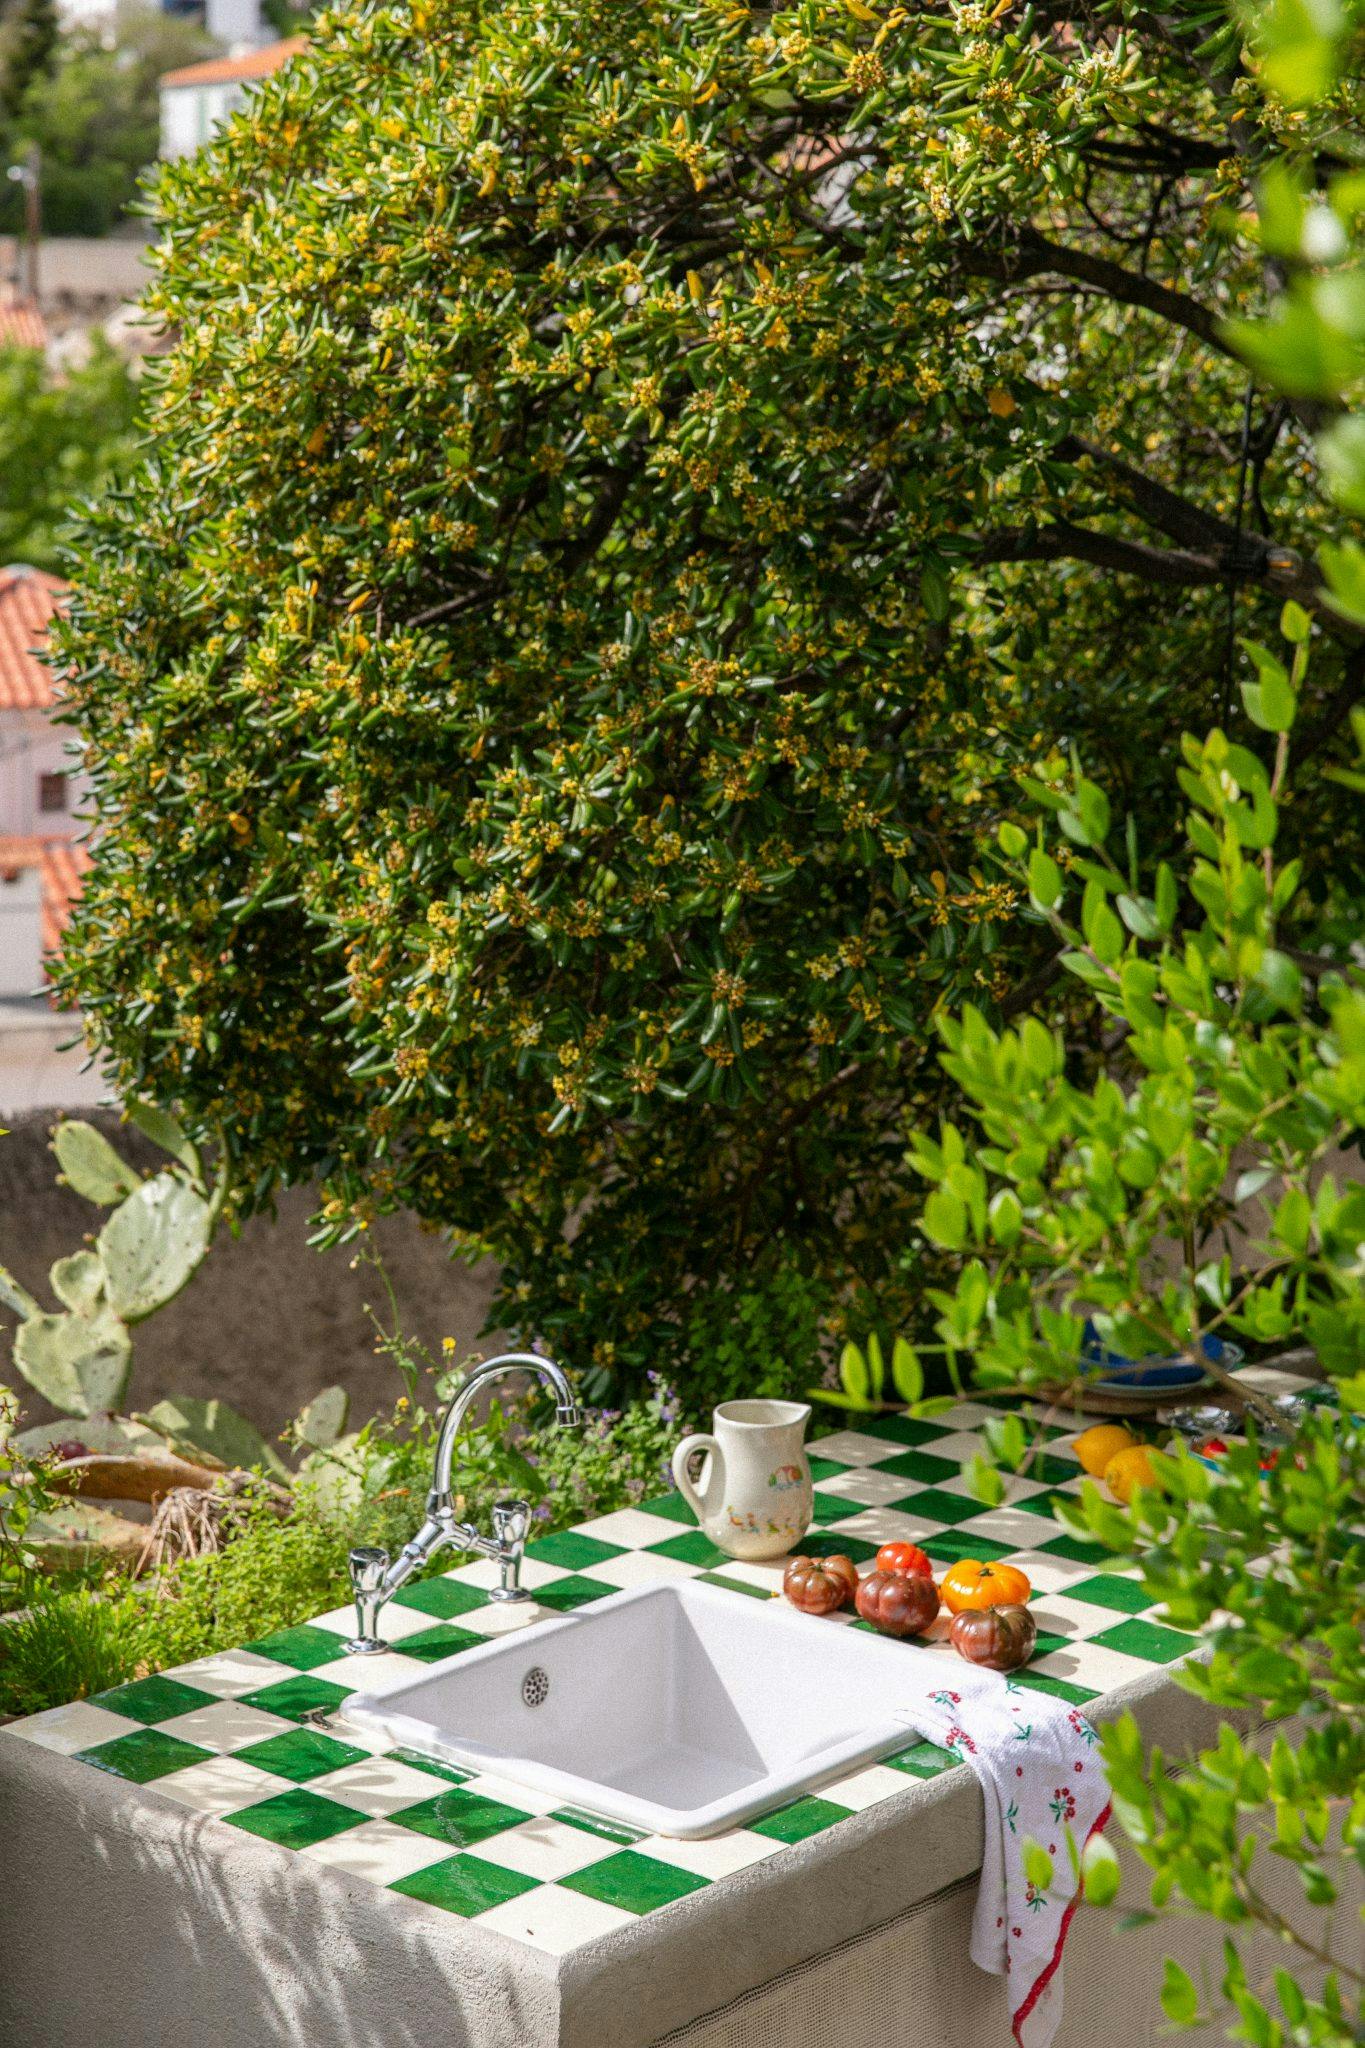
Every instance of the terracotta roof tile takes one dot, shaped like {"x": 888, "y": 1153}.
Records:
{"x": 28, "y": 598}
{"x": 21, "y": 324}
{"x": 232, "y": 70}
{"x": 61, "y": 864}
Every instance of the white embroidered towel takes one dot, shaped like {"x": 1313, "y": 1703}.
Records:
{"x": 1034, "y": 1756}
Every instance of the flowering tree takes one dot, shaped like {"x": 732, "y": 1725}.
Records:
{"x": 631, "y": 487}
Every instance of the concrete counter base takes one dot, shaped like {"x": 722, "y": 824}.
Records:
{"x": 129, "y": 1923}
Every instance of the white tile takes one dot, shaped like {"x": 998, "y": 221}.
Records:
{"x": 230, "y": 1673}
{"x": 555, "y": 1920}
{"x": 867, "y": 1487}
{"x": 67, "y": 1729}
{"x": 1016, "y": 1489}
{"x": 221, "y": 1785}
{"x": 486, "y": 1574}
{"x": 394, "y": 1622}
{"x": 227, "y": 1725}
{"x": 766, "y": 1575}
{"x": 1093, "y": 1665}
{"x": 641, "y": 1568}
{"x": 958, "y": 1445}
{"x": 962, "y": 1415}
{"x": 851, "y": 1447}
{"x": 1058, "y": 1616}
{"x": 632, "y": 1528}
{"x": 508, "y": 1793}
{"x": 1050, "y": 1574}
{"x": 717, "y": 1856}
{"x": 364, "y": 1674}
{"x": 885, "y": 1525}
{"x": 379, "y": 1851}
{"x": 380, "y": 1786}
{"x": 1011, "y": 1525}
{"x": 865, "y": 1788}
{"x": 546, "y": 1848}
{"x": 504, "y": 1617}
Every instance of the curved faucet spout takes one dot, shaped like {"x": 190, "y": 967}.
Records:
{"x": 441, "y": 1498}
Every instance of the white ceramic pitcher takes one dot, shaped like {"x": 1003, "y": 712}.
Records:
{"x": 755, "y": 1496}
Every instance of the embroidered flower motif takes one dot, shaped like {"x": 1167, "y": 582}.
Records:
{"x": 1025, "y": 1733}
{"x": 1082, "y": 1728}
{"x": 1011, "y": 1815}
{"x": 946, "y": 1699}
{"x": 1063, "y": 1804}
{"x": 958, "y": 1738}
{"x": 1034, "y": 1899}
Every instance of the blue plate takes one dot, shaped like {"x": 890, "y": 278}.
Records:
{"x": 1111, "y": 1370}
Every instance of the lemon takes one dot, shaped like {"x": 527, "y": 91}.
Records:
{"x": 1128, "y": 1470}
{"x": 1095, "y": 1447}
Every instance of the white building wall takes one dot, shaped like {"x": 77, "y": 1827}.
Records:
{"x": 238, "y": 23}
{"x": 31, "y": 747}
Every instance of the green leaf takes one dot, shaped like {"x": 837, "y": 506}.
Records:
{"x": 152, "y": 1244}
{"x": 907, "y": 1374}
{"x": 1037, "y": 1863}
{"x": 984, "y": 1481}
{"x": 854, "y": 1375}
{"x": 945, "y": 1219}
{"x": 1270, "y": 701}
{"x": 1179, "y": 1999}
{"x": 1100, "y": 1873}
{"x": 1044, "y": 879}
{"x": 163, "y": 1130}
{"x": 90, "y": 1164}
{"x": 1011, "y": 840}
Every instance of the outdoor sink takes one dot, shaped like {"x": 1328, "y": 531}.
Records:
{"x": 680, "y": 1709}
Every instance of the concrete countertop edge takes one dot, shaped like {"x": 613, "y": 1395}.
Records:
{"x": 631, "y": 1987}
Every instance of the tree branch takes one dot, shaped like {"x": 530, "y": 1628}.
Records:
{"x": 1032, "y": 255}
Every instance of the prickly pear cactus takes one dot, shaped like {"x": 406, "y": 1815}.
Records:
{"x": 152, "y": 1244}
{"x": 79, "y": 1361}
{"x": 90, "y": 1164}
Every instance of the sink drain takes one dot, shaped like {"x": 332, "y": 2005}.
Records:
{"x": 535, "y": 1687}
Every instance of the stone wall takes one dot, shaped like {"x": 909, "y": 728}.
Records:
{"x": 266, "y": 1321}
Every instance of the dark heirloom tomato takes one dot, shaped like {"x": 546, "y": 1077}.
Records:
{"x": 898, "y": 1603}
{"x": 1000, "y": 1638}
{"x": 819, "y": 1585}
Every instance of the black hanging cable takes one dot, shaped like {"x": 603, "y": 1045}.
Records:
{"x": 1230, "y": 642}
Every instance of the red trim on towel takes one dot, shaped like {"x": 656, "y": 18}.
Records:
{"x": 1046, "y": 1976}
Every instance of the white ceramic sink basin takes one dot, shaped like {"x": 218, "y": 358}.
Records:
{"x": 679, "y": 1708}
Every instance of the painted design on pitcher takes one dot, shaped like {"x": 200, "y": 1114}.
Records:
{"x": 786, "y": 1477}
{"x": 749, "y": 1524}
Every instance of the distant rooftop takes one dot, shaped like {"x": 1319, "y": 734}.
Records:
{"x": 237, "y": 70}
{"x": 28, "y": 599}
{"x": 21, "y": 324}
{"x": 61, "y": 866}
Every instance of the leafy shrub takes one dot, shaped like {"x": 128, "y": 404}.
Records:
{"x": 62, "y": 438}
{"x": 615, "y": 1459}
{"x": 1207, "y": 1184}
{"x": 68, "y": 1644}
{"x": 627, "y": 493}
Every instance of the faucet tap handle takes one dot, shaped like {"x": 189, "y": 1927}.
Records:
{"x": 368, "y": 1567}
{"x": 511, "y": 1524}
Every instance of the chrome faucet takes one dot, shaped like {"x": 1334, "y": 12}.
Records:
{"x": 375, "y": 1580}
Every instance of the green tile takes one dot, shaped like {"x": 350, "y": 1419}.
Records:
{"x": 1047, "y": 1641}
{"x": 431, "y": 1644}
{"x": 460, "y": 1818}
{"x": 923, "y": 1760}
{"x": 1049, "y": 1470}
{"x": 828, "y": 1468}
{"x": 293, "y": 1698}
{"x": 933, "y": 1505}
{"x": 154, "y": 1699}
{"x": 465, "y": 1885}
{"x": 635, "y": 1883}
{"x": 671, "y": 1507}
{"x": 952, "y": 1545}
{"x": 145, "y": 1755}
{"x": 572, "y": 1550}
{"x": 1129, "y": 1596}
{"x": 1056, "y": 1688}
{"x": 1075, "y": 1551}
{"x": 295, "y": 1820}
{"x": 591, "y": 1824}
{"x": 566, "y": 1594}
{"x": 300, "y": 1754}
{"x": 832, "y": 1507}
{"x": 443, "y": 1598}
{"x": 304, "y": 1648}
{"x": 835, "y": 1543}
{"x": 1147, "y": 1640}
{"x": 808, "y": 1816}
{"x": 692, "y": 1547}
{"x": 902, "y": 1429}
{"x": 735, "y": 1585}
{"x": 921, "y": 1465}
{"x": 432, "y": 1764}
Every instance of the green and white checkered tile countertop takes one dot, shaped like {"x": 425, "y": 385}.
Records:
{"x": 236, "y": 1737}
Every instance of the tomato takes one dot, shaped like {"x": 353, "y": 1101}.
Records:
{"x": 906, "y": 1558}
{"x": 973, "y": 1584}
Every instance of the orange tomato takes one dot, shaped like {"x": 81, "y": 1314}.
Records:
{"x": 971, "y": 1584}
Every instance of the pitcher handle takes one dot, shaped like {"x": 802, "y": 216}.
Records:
{"x": 687, "y": 1450}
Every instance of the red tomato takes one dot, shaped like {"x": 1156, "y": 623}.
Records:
{"x": 906, "y": 1558}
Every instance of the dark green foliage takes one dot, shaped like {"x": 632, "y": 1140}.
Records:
{"x": 28, "y": 43}
{"x": 61, "y": 439}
